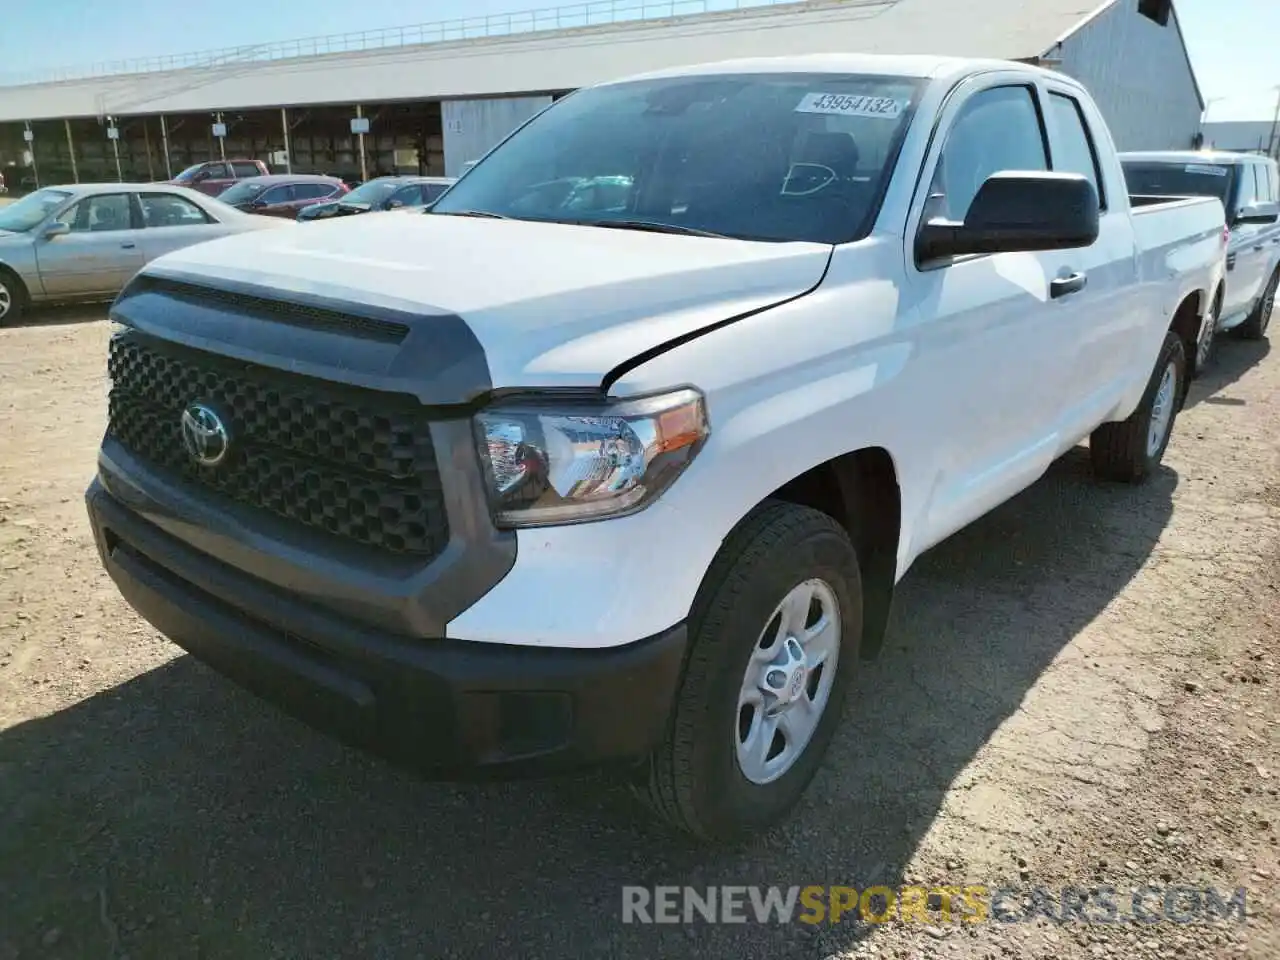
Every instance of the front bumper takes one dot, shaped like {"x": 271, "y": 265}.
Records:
{"x": 446, "y": 707}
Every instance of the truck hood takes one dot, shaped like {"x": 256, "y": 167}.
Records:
{"x": 549, "y": 304}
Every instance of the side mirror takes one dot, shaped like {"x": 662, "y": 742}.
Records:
{"x": 56, "y": 229}
{"x": 393, "y": 204}
{"x": 1018, "y": 211}
{"x": 1259, "y": 213}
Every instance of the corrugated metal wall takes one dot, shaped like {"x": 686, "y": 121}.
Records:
{"x": 1138, "y": 72}
{"x": 472, "y": 127}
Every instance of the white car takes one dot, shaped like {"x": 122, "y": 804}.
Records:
{"x": 535, "y": 480}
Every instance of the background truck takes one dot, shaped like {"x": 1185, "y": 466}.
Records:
{"x": 214, "y": 176}
{"x": 518, "y": 485}
{"x": 1249, "y": 187}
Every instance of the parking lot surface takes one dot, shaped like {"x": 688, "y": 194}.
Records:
{"x": 1079, "y": 688}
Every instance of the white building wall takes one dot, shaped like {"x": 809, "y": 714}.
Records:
{"x": 473, "y": 127}
{"x": 1139, "y": 74}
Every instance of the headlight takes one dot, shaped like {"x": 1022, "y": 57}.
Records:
{"x": 557, "y": 462}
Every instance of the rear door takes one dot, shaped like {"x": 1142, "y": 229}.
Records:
{"x": 171, "y": 221}
{"x": 305, "y": 194}
{"x": 100, "y": 254}
{"x": 1096, "y": 327}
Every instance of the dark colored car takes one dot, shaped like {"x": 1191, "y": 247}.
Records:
{"x": 214, "y": 176}
{"x": 282, "y": 194}
{"x": 381, "y": 193}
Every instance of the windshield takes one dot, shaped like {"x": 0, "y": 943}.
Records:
{"x": 375, "y": 191}
{"x": 767, "y": 157}
{"x": 30, "y": 210}
{"x": 242, "y": 192}
{"x": 1165, "y": 179}
{"x": 190, "y": 172}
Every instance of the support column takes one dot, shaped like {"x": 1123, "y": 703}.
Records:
{"x": 146, "y": 141}
{"x": 288, "y": 151}
{"x": 222, "y": 143}
{"x": 164, "y": 142}
{"x": 364, "y": 170}
{"x": 71, "y": 151}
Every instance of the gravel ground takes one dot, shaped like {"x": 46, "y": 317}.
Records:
{"x": 1079, "y": 689}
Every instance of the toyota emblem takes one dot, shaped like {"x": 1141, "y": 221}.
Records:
{"x": 205, "y": 435}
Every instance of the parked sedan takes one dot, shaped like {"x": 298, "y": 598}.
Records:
{"x": 381, "y": 193}
{"x": 282, "y": 194}
{"x": 84, "y": 242}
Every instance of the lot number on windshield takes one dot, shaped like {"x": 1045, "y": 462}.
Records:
{"x": 848, "y": 105}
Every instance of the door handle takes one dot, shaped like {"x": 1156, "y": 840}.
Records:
{"x": 128, "y": 244}
{"x": 1257, "y": 248}
{"x": 1063, "y": 286}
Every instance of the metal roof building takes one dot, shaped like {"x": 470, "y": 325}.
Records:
{"x": 432, "y": 87}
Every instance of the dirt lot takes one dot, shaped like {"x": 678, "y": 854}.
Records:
{"x": 1079, "y": 689}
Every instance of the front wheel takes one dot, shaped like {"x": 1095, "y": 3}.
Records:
{"x": 774, "y": 638}
{"x": 1255, "y": 327}
{"x": 12, "y": 298}
{"x": 1130, "y": 451}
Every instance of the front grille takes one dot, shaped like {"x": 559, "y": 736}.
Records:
{"x": 358, "y": 464}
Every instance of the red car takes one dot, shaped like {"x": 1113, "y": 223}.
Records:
{"x": 282, "y": 194}
{"x": 214, "y": 176}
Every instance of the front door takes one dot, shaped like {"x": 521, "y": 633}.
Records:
{"x": 1249, "y": 253}
{"x": 100, "y": 254}
{"x": 989, "y": 329}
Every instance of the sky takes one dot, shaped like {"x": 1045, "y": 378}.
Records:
{"x": 1234, "y": 44}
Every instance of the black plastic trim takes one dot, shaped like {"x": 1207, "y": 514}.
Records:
{"x": 444, "y": 706}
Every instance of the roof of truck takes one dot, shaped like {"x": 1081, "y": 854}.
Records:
{"x": 888, "y": 65}
{"x": 1219, "y": 157}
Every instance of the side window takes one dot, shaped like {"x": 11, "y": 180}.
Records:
{"x": 406, "y": 196}
{"x": 1273, "y": 187}
{"x": 280, "y": 194}
{"x": 1073, "y": 152}
{"x": 311, "y": 191}
{"x": 432, "y": 191}
{"x": 244, "y": 169}
{"x": 105, "y": 212}
{"x": 216, "y": 171}
{"x": 169, "y": 210}
{"x": 1249, "y": 184}
{"x": 997, "y": 129}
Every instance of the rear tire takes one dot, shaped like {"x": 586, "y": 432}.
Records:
{"x": 1206, "y": 348}
{"x": 13, "y": 297}
{"x": 720, "y": 773}
{"x": 1255, "y": 326}
{"x": 1129, "y": 451}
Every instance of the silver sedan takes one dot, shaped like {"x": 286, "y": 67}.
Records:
{"x": 85, "y": 242}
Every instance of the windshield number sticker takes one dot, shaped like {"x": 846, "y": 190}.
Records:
{"x": 1206, "y": 169}
{"x": 849, "y": 105}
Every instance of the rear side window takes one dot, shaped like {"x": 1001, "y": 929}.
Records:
{"x": 431, "y": 191}
{"x": 1073, "y": 150}
{"x": 216, "y": 171}
{"x": 244, "y": 169}
{"x": 997, "y": 129}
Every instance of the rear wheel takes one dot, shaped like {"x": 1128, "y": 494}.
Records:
{"x": 1255, "y": 327}
{"x": 774, "y": 639}
{"x": 1130, "y": 451}
{"x": 1208, "y": 340}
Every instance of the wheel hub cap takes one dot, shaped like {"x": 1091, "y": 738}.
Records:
{"x": 788, "y": 681}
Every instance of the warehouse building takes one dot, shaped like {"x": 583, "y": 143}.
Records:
{"x": 1247, "y": 136}
{"x": 432, "y": 98}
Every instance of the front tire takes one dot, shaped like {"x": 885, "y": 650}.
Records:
{"x": 774, "y": 637}
{"x": 1255, "y": 326}
{"x": 13, "y": 298}
{"x": 1130, "y": 451}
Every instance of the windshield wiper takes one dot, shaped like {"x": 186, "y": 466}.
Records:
{"x": 650, "y": 226}
{"x": 468, "y": 213}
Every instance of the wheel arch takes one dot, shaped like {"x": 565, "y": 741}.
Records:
{"x": 1187, "y": 322}
{"x": 860, "y": 490}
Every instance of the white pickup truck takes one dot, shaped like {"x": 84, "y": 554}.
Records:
{"x": 618, "y": 452}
